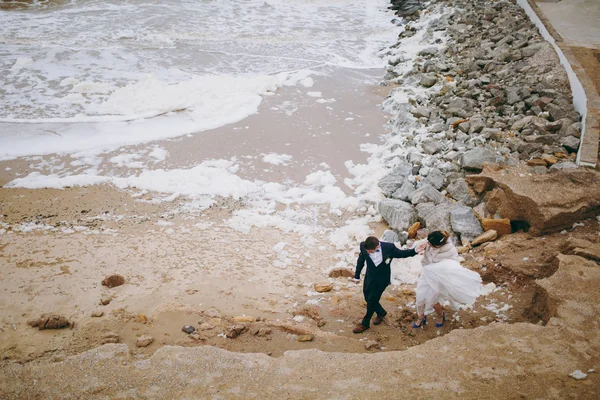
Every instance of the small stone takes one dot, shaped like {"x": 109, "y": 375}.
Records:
{"x": 52, "y": 321}
{"x": 235, "y": 331}
{"x": 113, "y": 280}
{"x": 243, "y": 319}
{"x": 195, "y": 336}
{"x": 431, "y": 146}
{"x": 322, "y": 287}
{"x": 571, "y": 143}
{"x": 321, "y": 323}
{"x": 341, "y": 272}
{"x": 305, "y": 338}
{"x": 372, "y": 345}
{"x": 262, "y": 332}
{"x": 106, "y": 299}
{"x": 189, "y": 329}
{"x": 144, "y": 341}
{"x": 501, "y": 226}
{"x": 413, "y": 229}
{"x": 428, "y": 81}
{"x": 536, "y": 162}
{"x": 110, "y": 337}
{"x": 487, "y": 236}
{"x": 97, "y": 314}
{"x": 578, "y": 375}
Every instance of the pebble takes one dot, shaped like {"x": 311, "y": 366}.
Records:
{"x": 144, "y": 341}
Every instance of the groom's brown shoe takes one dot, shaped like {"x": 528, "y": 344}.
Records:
{"x": 378, "y": 320}
{"x": 360, "y": 329}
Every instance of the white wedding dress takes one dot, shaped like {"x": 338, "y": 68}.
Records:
{"x": 444, "y": 280}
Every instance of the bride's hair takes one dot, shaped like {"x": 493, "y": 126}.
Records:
{"x": 438, "y": 238}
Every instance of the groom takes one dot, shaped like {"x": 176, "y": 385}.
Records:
{"x": 378, "y": 256}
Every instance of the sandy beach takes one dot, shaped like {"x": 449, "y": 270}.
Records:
{"x": 236, "y": 242}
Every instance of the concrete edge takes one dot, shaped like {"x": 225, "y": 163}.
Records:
{"x": 586, "y": 99}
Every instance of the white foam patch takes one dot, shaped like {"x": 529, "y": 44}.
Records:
{"x": 158, "y": 154}
{"x": 277, "y": 159}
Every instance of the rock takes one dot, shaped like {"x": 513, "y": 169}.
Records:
{"x": 305, "y": 338}
{"x": 512, "y": 95}
{"x": 340, "y": 272}
{"x": 556, "y": 112}
{"x": 571, "y": 143}
{"x": 321, "y": 323}
{"x": 522, "y": 123}
{"x": 461, "y": 192}
{"x": 189, "y": 329}
{"x": 420, "y": 112}
{"x": 113, "y": 280}
{"x": 195, "y": 336}
{"x": 573, "y": 130}
{"x": 464, "y": 222}
{"x": 578, "y": 375}
{"x": 243, "y": 319}
{"x": 435, "y": 178}
{"x": 144, "y": 341}
{"x": 501, "y": 226}
{"x": 474, "y": 159}
{"x": 412, "y": 230}
{"x": 372, "y": 345}
{"x": 323, "y": 287}
{"x": 50, "y": 321}
{"x": 546, "y": 203}
{"x": 427, "y": 194}
{"x": 536, "y": 162}
{"x": 427, "y": 52}
{"x": 110, "y": 337}
{"x": 392, "y": 181}
{"x": 262, "y": 332}
{"x": 389, "y": 236}
{"x": 431, "y": 146}
{"x": 105, "y": 299}
{"x": 398, "y": 214}
{"x": 476, "y": 125}
{"x": 428, "y": 80}
{"x": 487, "y": 236}
{"x": 405, "y": 191}
{"x": 235, "y": 331}
{"x": 436, "y": 217}
{"x": 563, "y": 165}
{"x": 97, "y": 314}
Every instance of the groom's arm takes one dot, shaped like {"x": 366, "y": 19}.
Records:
{"x": 398, "y": 253}
{"x": 360, "y": 263}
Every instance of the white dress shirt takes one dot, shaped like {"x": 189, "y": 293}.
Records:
{"x": 377, "y": 256}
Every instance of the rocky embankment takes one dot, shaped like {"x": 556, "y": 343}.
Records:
{"x": 478, "y": 85}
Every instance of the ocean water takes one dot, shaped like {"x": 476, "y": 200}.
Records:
{"x": 80, "y": 75}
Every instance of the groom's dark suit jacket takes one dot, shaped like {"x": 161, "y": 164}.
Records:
{"x": 379, "y": 276}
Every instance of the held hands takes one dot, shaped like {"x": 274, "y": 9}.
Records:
{"x": 421, "y": 247}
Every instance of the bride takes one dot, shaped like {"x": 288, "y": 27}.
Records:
{"x": 443, "y": 279}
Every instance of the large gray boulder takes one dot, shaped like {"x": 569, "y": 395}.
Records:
{"x": 405, "y": 191}
{"x": 435, "y": 178}
{"x": 474, "y": 159}
{"x": 389, "y": 236}
{"x": 465, "y": 223}
{"x": 427, "y": 194}
{"x": 431, "y": 146}
{"x": 399, "y": 214}
{"x": 461, "y": 192}
{"x": 392, "y": 181}
{"x": 435, "y": 217}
